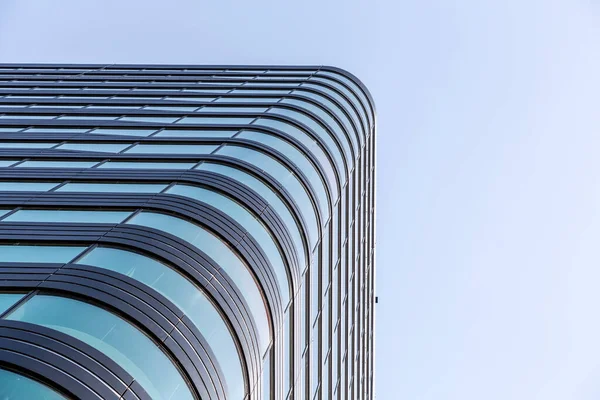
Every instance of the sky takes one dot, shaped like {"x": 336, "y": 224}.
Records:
{"x": 488, "y": 218}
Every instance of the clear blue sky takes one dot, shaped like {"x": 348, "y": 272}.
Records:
{"x": 489, "y": 164}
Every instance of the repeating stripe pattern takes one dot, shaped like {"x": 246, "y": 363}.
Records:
{"x": 186, "y": 232}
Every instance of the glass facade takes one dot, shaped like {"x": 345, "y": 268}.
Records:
{"x": 186, "y": 232}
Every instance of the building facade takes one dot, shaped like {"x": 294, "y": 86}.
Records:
{"x": 186, "y": 232}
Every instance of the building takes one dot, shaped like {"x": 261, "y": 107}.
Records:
{"x": 185, "y": 232}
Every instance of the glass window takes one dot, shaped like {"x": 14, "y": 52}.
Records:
{"x": 267, "y": 92}
{"x": 195, "y": 99}
{"x": 223, "y": 256}
{"x": 113, "y": 336}
{"x": 27, "y": 145}
{"x": 34, "y": 254}
{"x": 57, "y": 164}
{"x": 56, "y": 130}
{"x": 24, "y": 116}
{"x": 171, "y": 108}
{"x": 299, "y": 159}
{"x": 243, "y": 100}
{"x": 98, "y": 147}
{"x": 185, "y": 295}
{"x": 195, "y": 133}
{"x": 269, "y": 196}
{"x": 6, "y": 301}
{"x": 249, "y": 222}
{"x": 308, "y": 142}
{"x": 10, "y": 129}
{"x": 146, "y": 165}
{"x": 26, "y": 186}
{"x": 14, "y": 386}
{"x": 216, "y": 120}
{"x": 113, "y": 107}
{"x": 285, "y": 177}
{"x": 7, "y": 163}
{"x": 88, "y": 117}
{"x": 233, "y": 109}
{"x": 107, "y": 217}
{"x": 319, "y": 130}
{"x": 172, "y": 149}
{"x": 161, "y": 120}
{"x": 112, "y": 187}
{"x": 123, "y": 131}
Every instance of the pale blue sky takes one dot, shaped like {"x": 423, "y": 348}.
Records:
{"x": 489, "y": 164}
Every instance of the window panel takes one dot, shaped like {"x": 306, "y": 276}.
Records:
{"x": 14, "y": 386}
{"x": 26, "y": 145}
{"x": 270, "y": 196}
{"x": 146, "y": 165}
{"x": 161, "y": 120}
{"x": 7, "y": 300}
{"x": 57, "y": 164}
{"x": 112, "y": 187}
{"x": 56, "y": 130}
{"x": 57, "y": 216}
{"x": 243, "y": 100}
{"x": 123, "y": 131}
{"x": 249, "y": 222}
{"x": 172, "y": 149}
{"x": 284, "y": 176}
{"x": 233, "y": 109}
{"x": 216, "y": 120}
{"x": 118, "y": 339}
{"x": 27, "y": 186}
{"x": 223, "y": 256}
{"x": 195, "y": 133}
{"x": 7, "y": 163}
{"x": 36, "y": 254}
{"x": 185, "y": 295}
{"x": 97, "y": 147}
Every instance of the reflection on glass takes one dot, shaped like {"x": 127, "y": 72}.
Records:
{"x": 14, "y": 386}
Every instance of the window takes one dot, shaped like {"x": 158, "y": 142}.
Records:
{"x": 59, "y": 216}
{"x": 161, "y": 120}
{"x": 26, "y": 145}
{"x": 112, "y": 187}
{"x": 26, "y": 186}
{"x": 195, "y": 133}
{"x": 123, "y": 131}
{"x": 146, "y": 165}
{"x": 14, "y": 386}
{"x": 185, "y": 295}
{"x": 97, "y": 147}
{"x": 118, "y": 339}
{"x": 171, "y": 149}
{"x": 57, "y": 164}
{"x": 221, "y": 254}
{"x": 6, "y": 301}
{"x": 34, "y": 254}
{"x": 216, "y": 120}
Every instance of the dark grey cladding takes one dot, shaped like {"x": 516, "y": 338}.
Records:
{"x": 221, "y": 216}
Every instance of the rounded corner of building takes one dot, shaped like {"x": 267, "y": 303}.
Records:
{"x": 349, "y": 75}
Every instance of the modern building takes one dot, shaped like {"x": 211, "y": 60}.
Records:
{"x": 186, "y": 232}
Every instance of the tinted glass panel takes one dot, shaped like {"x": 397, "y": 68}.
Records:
{"x": 195, "y": 133}
{"x": 171, "y": 149}
{"x": 146, "y": 165}
{"x": 284, "y": 176}
{"x": 7, "y": 163}
{"x": 33, "y": 254}
{"x": 185, "y": 295}
{"x": 111, "y": 335}
{"x": 111, "y": 188}
{"x": 221, "y": 254}
{"x": 6, "y": 301}
{"x": 124, "y": 132}
{"x": 100, "y": 147}
{"x": 57, "y": 164}
{"x": 27, "y": 186}
{"x": 18, "y": 387}
{"x": 28, "y": 145}
{"x": 162, "y": 120}
{"x": 269, "y": 196}
{"x": 249, "y": 222}
{"x": 216, "y": 120}
{"x": 112, "y": 217}
{"x": 233, "y": 109}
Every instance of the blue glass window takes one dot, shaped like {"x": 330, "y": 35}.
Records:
{"x": 269, "y": 196}
{"x": 112, "y": 187}
{"x": 185, "y": 295}
{"x": 249, "y": 222}
{"x": 285, "y": 177}
{"x": 161, "y": 120}
{"x": 14, "y": 386}
{"x": 123, "y": 131}
{"x": 57, "y": 164}
{"x": 171, "y": 149}
{"x": 113, "y": 217}
{"x": 216, "y": 120}
{"x": 245, "y": 100}
{"x": 35, "y": 254}
{"x": 26, "y": 145}
{"x": 221, "y": 254}
{"x": 146, "y": 165}
{"x": 56, "y": 130}
{"x": 99, "y": 147}
{"x": 7, "y": 163}
{"x": 299, "y": 159}
{"x": 195, "y": 133}
{"x": 233, "y": 109}
{"x": 26, "y": 186}
{"x": 113, "y": 336}
{"x": 6, "y": 301}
